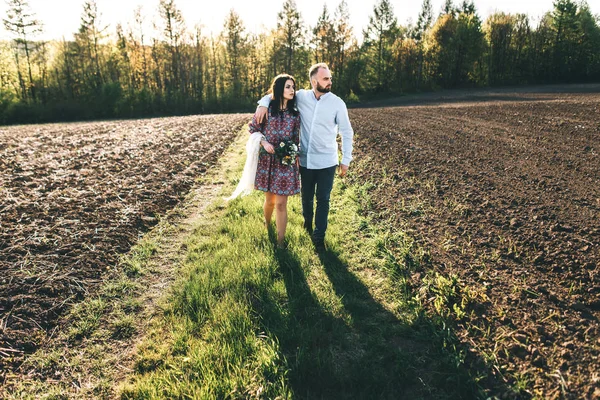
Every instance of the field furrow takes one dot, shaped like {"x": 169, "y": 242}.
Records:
{"x": 74, "y": 197}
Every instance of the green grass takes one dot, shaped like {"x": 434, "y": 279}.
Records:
{"x": 245, "y": 320}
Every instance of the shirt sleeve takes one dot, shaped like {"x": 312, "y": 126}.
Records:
{"x": 265, "y": 101}
{"x": 345, "y": 130}
{"x": 255, "y": 126}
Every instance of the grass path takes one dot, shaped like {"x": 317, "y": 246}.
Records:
{"x": 245, "y": 320}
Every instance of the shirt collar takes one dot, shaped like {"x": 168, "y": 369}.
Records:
{"x": 322, "y": 96}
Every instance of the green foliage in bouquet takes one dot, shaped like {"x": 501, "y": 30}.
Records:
{"x": 287, "y": 151}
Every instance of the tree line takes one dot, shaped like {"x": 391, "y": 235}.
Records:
{"x": 174, "y": 69}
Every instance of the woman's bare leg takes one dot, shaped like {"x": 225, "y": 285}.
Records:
{"x": 281, "y": 218}
{"x": 268, "y": 207}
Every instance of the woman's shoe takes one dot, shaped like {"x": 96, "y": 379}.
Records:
{"x": 282, "y": 245}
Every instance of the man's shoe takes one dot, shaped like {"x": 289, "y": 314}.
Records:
{"x": 319, "y": 245}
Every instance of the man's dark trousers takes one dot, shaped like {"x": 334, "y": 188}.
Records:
{"x": 319, "y": 182}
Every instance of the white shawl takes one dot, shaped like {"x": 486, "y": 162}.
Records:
{"x": 246, "y": 184}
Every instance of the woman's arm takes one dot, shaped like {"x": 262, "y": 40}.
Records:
{"x": 255, "y": 126}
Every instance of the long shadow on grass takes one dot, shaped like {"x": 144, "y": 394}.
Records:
{"x": 309, "y": 336}
{"x": 399, "y": 360}
{"x": 373, "y": 356}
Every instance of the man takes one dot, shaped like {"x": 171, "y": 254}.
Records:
{"x": 322, "y": 114}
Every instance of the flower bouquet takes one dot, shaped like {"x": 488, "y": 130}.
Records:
{"x": 287, "y": 151}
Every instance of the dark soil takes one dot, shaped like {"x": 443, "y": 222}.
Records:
{"x": 74, "y": 197}
{"x": 505, "y": 194}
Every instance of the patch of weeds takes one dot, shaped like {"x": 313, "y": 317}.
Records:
{"x": 53, "y": 393}
{"x": 457, "y": 207}
{"x": 119, "y": 288}
{"x": 512, "y": 250}
{"x": 132, "y": 305}
{"x": 363, "y": 198}
{"x": 430, "y": 185}
{"x": 450, "y": 298}
{"x": 398, "y": 252}
{"x": 180, "y": 347}
{"x": 412, "y": 208}
{"x": 87, "y": 317}
{"x": 133, "y": 267}
{"x": 135, "y": 263}
{"x": 122, "y": 325}
{"x": 44, "y": 361}
{"x": 522, "y": 382}
{"x": 102, "y": 389}
{"x": 148, "y": 360}
{"x": 448, "y": 242}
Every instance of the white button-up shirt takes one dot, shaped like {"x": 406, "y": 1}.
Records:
{"x": 320, "y": 121}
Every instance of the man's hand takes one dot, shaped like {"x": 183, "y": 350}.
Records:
{"x": 261, "y": 114}
{"x": 268, "y": 147}
{"x": 343, "y": 170}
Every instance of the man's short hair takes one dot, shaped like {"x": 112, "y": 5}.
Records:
{"x": 315, "y": 68}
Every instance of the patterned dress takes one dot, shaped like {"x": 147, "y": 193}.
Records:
{"x": 271, "y": 175}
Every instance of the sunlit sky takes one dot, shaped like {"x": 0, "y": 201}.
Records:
{"x": 61, "y": 17}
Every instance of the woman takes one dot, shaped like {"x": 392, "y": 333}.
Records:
{"x": 274, "y": 177}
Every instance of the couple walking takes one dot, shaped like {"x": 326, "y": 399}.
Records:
{"x": 311, "y": 120}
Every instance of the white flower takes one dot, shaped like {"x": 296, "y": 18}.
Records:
{"x": 295, "y": 147}
{"x": 281, "y": 144}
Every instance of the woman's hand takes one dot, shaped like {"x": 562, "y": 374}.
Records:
{"x": 268, "y": 147}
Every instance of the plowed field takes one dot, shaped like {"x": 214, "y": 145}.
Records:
{"x": 504, "y": 193}
{"x": 73, "y": 197}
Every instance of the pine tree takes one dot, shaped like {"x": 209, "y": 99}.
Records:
{"x": 137, "y": 37}
{"x": 198, "y": 69}
{"x": 379, "y": 36}
{"x": 467, "y": 7}
{"x": 498, "y": 29}
{"x": 342, "y": 43}
{"x": 173, "y": 31}
{"x": 21, "y": 23}
{"x": 236, "y": 51}
{"x": 542, "y": 54}
{"x": 291, "y": 38}
{"x": 564, "y": 24}
{"x": 588, "y": 56}
{"x": 323, "y": 40}
{"x": 469, "y": 46}
{"x": 448, "y": 8}
{"x": 92, "y": 31}
{"x": 423, "y": 21}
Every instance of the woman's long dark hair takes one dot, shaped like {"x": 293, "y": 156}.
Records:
{"x": 277, "y": 90}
